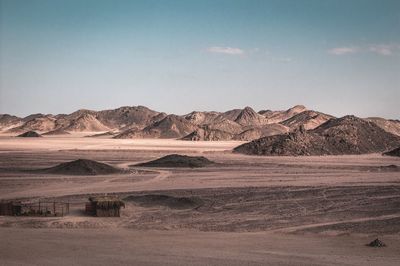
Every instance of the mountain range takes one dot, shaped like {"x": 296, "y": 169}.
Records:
{"x": 141, "y": 122}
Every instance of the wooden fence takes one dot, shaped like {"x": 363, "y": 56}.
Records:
{"x": 40, "y": 208}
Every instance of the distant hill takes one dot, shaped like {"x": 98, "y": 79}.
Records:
{"x": 84, "y": 123}
{"x": 207, "y": 134}
{"x": 141, "y": 122}
{"x": 38, "y": 123}
{"x": 248, "y": 117}
{"x": 138, "y": 116}
{"x": 9, "y": 121}
{"x": 172, "y": 126}
{"x": 259, "y": 132}
{"x": 280, "y": 116}
{"x": 346, "y": 135}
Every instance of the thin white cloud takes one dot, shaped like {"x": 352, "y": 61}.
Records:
{"x": 380, "y": 49}
{"x": 285, "y": 59}
{"x": 383, "y": 49}
{"x": 225, "y": 50}
{"x": 343, "y": 50}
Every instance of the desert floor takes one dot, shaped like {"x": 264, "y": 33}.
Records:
{"x": 247, "y": 210}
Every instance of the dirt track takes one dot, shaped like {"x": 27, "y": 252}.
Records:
{"x": 280, "y": 210}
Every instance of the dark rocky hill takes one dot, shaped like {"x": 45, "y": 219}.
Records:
{"x": 346, "y": 135}
{"x": 177, "y": 160}
{"x": 82, "y": 167}
{"x": 394, "y": 152}
{"x": 30, "y": 134}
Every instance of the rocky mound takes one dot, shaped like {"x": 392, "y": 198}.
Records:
{"x": 394, "y": 152}
{"x": 294, "y": 143}
{"x": 346, "y": 135}
{"x": 376, "y": 243}
{"x": 207, "y": 134}
{"x": 309, "y": 119}
{"x": 155, "y": 200}
{"x": 56, "y": 132}
{"x": 353, "y": 135}
{"x": 30, "y": 134}
{"x": 82, "y": 167}
{"x": 177, "y": 160}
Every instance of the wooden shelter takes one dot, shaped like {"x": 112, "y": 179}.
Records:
{"x": 104, "y": 206}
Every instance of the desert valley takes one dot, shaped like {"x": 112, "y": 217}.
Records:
{"x": 212, "y": 132}
{"x": 292, "y": 187}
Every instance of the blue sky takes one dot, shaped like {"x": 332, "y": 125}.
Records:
{"x": 340, "y": 57}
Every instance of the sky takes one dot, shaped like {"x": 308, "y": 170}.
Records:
{"x": 335, "y": 56}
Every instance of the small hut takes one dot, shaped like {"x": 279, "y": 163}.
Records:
{"x": 104, "y": 206}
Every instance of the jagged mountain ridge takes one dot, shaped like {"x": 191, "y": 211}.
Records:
{"x": 141, "y": 122}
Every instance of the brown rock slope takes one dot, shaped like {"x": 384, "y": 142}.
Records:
{"x": 248, "y": 117}
{"x": 389, "y": 125}
{"x": 231, "y": 114}
{"x": 346, "y": 135}
{"x": 223, "y": 124}
{"x": 309, "y": 119}
{"x": 259, "y": 132}
{"x": 56, "y": 132}
{"x": 279, "y": 116}
{"x": 42, "y": 124}
{"x": 86, "y": 123}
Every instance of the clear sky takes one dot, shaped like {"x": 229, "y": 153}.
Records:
{"x": 336, "y": 56}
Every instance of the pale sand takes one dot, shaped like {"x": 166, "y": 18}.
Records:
{"x": 76, "y": 141}
{"x": 257, "y": 211}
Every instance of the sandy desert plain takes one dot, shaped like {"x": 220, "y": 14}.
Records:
{"x": 253, "y": 210}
